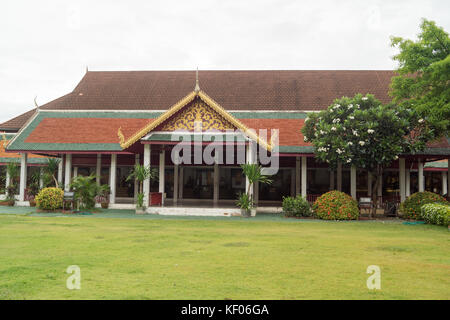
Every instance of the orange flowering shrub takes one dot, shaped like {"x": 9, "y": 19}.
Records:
{"x": 50, "y": 199}
{"x": 410, "y": 208}
{"x": 336, "y": 205}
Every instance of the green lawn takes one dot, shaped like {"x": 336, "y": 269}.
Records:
{"x": 223, "y": 258}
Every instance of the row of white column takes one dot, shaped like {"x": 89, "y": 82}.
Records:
{"x": 251, "y": 157}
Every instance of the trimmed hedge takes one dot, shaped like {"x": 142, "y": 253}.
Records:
{"x": 50, "y": 199}
{"x": 296, "y": 207}
{"x": 436, "y": 213}
{"x": 410, "y": 208}
{"x": 336, "y": 205}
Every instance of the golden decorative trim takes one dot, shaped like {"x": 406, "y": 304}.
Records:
{"x": 180, "y": 104}
{"x": 121, "y": 136}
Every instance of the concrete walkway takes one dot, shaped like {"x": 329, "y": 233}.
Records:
{"x": 130, "y": 214}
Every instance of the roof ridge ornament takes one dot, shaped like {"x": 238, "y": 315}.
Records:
{"x": 197, "y": 86}
{"x": 35, "y": 103}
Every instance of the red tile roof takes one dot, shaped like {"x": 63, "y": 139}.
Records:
{"x": 233, "y": 90}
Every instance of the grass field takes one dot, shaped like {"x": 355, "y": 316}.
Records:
{"x": 228, "y": 258}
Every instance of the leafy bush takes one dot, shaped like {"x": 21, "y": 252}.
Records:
{"x": 336, "y": 205}
{"x": 86, "y": 189}
{"x": 410, "y": 208}
{"x": 436, "y": 213}
{"x": 50, "y": 199}
{"x": 296, "y": 207}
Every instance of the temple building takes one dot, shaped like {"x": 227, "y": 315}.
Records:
{"x": 112, "y": 120}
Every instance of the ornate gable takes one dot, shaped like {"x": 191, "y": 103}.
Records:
{"x": 190, "y": 118}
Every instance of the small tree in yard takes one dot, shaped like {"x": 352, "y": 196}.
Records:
{"x": 141, "y": 173}
{"x": 361, "y": 131}
{"x": 50, "y": 171}
{"x": 254, "y": 175}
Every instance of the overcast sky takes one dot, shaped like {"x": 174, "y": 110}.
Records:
{"x": 46, "y": 45}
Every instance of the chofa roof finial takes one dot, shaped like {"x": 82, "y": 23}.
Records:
{"x": 197, "y": 86}
{"x": 35, "y": 103}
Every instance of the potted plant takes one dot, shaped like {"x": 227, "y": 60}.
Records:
{"x": 141, "y": 173}
{"x": 103, "y": 196}
{"x": 10, "y": 199}
{"x": 246, "y": 204}
{"x": 254, "y": 175}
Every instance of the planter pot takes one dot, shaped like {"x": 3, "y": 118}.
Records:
{"x": 140, "y": 210}
{"x": 253, "y": 212}
{"x": 105, "y": 205}
{"x": 246, "y": 213}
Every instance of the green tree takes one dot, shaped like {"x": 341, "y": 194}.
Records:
{"x": 361, "y": 131}
{"x": 423, "y": 82}
{"x": 50, "y": 171}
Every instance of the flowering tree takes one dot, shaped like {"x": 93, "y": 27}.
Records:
{"x": 363, "y": 132}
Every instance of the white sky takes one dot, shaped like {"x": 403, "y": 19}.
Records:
{"x": 45, "y": 46}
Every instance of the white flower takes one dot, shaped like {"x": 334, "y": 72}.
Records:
{"x": 351, "y": 117}
{"x": 350, "y": 106}
{"x": 396, "y": 157}
{"x": 305, "y": 139}
{"x": 355, "y": 133}
{"x": 362, "y": 143}
{"x": 357, "y": 105}
{"x": 421, "y": 120}
{"x": 365, "y": 98}
{"x": 339, "y": 151}
{"x": 322, "y": 132}
{"x": 343, "y": 128}
{"x": 350, "y": 143}
{"x": 336, "y": 120}
{"x": 370, "y": 131}
{"x": 349, "y": 160}
{"x": 333, "y": 129}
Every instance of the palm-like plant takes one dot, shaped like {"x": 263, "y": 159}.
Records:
{"x": 253, "y": 173}
{"x": 50, "y": 171}
{"x": 142, "y": 173}
{"x": 13, "y": 171}
{"x": 86, "y": 189}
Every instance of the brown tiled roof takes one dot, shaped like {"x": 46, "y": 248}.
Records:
{"x": 233, "y": 90}
{"x": 16, "y": 123}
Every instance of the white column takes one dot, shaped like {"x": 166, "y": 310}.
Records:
{"x": 339, "y": 176}
{"x": 146, "y": 186}
{"x": 60, "y": 171}
{"x": 98, "y": 169}
{"x": 250, "y": 159}
{"x": 408, "y": 183}
{"x": 331, "y": 180}
{"x": 369, "y": 184}
{"x": 444, "y": 182}
{"x": 23, "y": 176}
{"x": 353, "y": 182}
{"x": 75, "y": 172}
{"x": 162, "y": 167}
{"x": 41, "y": 178}
{"x": 304, "y": 177}
{"x": 448, "y": 175}
{"x": 68, "y": 171}
{"x": 176, "y": 183}
{"x": 112, "y": 179}
{"x": 216, "y": 183}
{"x": 421, "y": 177}
{"x": 402, "y": 178}
{"x": 297, "y": 175}
{"x": 7, "y": 182}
